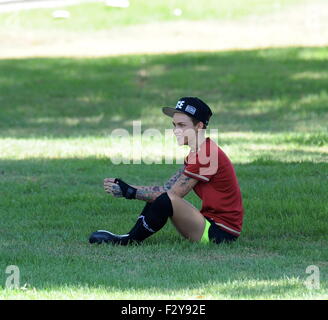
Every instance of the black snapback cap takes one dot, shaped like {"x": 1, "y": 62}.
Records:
{"x": 191, "y": 106}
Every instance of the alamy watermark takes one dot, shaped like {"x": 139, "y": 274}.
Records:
{"x": 13, "y": 277}
{"x": 133, "y": 149}
{"x": 313, "y": 280}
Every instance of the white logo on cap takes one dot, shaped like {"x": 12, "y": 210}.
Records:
{"x": 190, "y": 109}
{"x": 180, "y": 104}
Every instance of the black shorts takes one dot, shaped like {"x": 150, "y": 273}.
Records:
{"x": 217, "y": 235}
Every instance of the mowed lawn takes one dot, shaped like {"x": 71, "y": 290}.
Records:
{"x": 91, "y": 17}
{"x": 56, "y": 120}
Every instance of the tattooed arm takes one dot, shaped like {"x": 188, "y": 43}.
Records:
{"x": 149, "y": 194}
{"x": 145, "y": 193}
{"x": 183, "y": 186}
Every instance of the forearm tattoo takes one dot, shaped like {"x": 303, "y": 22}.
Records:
{"x": 151, "y": 193}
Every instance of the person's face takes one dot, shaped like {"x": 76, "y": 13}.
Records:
{"x": 183, "y": 128}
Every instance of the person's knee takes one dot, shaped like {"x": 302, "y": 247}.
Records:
{"x": 163, "y": 203}
{"x": 172, "y": 196}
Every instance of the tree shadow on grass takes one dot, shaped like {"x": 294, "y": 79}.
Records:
{"x": 49, "y": 207}
{"x": 267, "y": 90}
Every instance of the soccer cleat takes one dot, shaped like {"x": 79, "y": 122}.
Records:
{"x": 101, "y": 236}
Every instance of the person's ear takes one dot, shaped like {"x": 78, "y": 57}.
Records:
{"x": 200, "y": 125}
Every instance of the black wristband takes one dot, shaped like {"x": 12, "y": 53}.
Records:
{"x": 127, "y": 191}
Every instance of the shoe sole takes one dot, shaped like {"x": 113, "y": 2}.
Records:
{"x": 100, "y": 238}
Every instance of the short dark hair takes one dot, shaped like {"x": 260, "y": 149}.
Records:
{"x": 195, "y": 121}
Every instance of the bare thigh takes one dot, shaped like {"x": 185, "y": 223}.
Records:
{"x": 186, "y": 218}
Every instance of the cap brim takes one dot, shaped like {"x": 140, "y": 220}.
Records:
{"x": 170, "y": 111}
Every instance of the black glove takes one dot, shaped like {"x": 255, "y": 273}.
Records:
{"x": 127, "y": 191}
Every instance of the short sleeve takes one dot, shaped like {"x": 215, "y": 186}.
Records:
{"x": 201, "y": 166}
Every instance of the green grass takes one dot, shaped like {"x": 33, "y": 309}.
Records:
{"x": 96, "y": 16}
{"x": 56, "y": 116}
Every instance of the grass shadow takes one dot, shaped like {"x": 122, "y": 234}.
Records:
{"x": 269, "y": 90}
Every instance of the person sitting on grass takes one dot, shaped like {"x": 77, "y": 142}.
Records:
{"x": 206, "y": 170}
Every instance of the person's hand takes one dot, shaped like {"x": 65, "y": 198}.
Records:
{"x": 112, "y": 188}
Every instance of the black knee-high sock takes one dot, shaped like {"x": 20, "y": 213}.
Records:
{"x": 143, "y": 213}
{"x": 152, "y": 218}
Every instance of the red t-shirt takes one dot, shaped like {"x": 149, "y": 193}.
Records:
{"x": 217, "y": 187}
